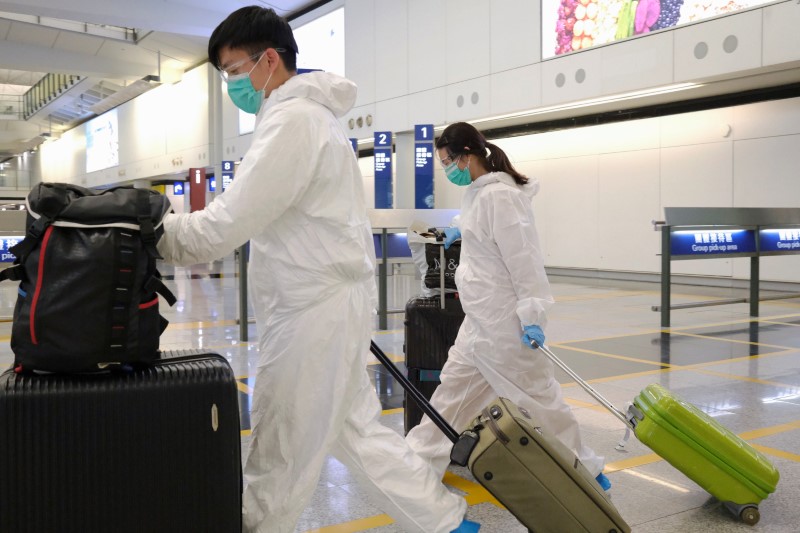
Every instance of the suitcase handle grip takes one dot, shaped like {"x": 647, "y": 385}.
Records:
{"x": 588, "y": 388}
{"x": 418, "y": 397}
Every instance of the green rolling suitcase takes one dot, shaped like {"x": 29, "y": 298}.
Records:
{"x": 704, "y": 450}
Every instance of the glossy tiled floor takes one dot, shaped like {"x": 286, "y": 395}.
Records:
{"x": 745, "y": 373}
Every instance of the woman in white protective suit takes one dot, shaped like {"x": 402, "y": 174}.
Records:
{"x": 298, "y": 197}
{"x": 505, "y": 295}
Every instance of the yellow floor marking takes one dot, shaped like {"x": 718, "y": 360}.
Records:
{"x": 777, "y": 453}
{"x": 474, "y": 492}
{"x": 735, "y": 341}
{"x": 585, "y": 405}
{"x": 767, "y": 432}
{"x": 740, "y": 378}
{"x": 356, "y": 525}
{"x": 246, "y": 432}
{"x": 392, "y": 411}
{"x": 394, "y": 358}
{"x": 633, "y": 462}
{"x": 739, "y": 359}
{"x": 244, "y": 388}
{"x": 5, "y": 338}
{"x": 612, "y": 356}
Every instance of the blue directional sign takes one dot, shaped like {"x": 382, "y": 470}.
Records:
{"x": 779, "y": 240}
{"x": 227, "y": 166}
{"x": 354, "y": 143}
{"x": 713, "y": 242}
{"x": 212, "y": 184}
{"x": 6, "y": 243}
{"x": 423, "y": 166}
{"x": 177, "y": 188}
{"x": 383, "y": 170}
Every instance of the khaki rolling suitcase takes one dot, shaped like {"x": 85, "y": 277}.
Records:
{"x": 539, "y": 480}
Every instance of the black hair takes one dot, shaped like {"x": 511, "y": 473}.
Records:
{"x": 254, "y": 29}
{"x": 463, "y": 139}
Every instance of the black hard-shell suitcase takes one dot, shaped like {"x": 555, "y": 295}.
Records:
{"x": 430, "y": 331}
{"x": 154, "y": 450}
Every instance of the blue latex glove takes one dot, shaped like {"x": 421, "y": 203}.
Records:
{"x": 533, "y": 333}
{"x": 451, "y": 235}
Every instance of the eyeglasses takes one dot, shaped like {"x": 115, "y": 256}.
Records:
{"x": 232, "y": 70}
{"x": 448, "y": 160}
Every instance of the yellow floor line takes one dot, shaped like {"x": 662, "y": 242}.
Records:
{"x": 388, "y": 331}
{"x": 246, "y": 432}
{"x": 777, "y": 453}
{"x": 394, "y": 358}
{"x": 602, "y": 296}
{"x": 612, "y": 356}
{"x": 392, "y": 411}
{"x": 780, "y": 323}
{"x": 740, "y": 378}
{"x": 633, "y": 462}
{"x": 773, "y": 430}
{"x": 244, "y": 388}
{"x": 356, "y": 525}
{"x": 735, "y": 341}
{"x": 474, "y": 492}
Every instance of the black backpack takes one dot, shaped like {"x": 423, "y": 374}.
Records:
{"x": 88, "y": 292}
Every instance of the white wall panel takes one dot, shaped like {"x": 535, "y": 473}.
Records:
{"x": 468, "y": 100}
{"x": 519, "y": 89}
{"x": 359, "y": 47}
{"x": 186, "y": 114}
{"x": 709, "y": 126}
{"x": 573, "y": 77}
{"x": 698, "y": 176}
{"x": 568, "y": 203}
{"x": 427, "y": 107}
{"x": 515, "y": 34}
{"x": 766, "y": 172}
{"x": 767, "y": 119}
{"x": 720, "y": 46}
{"x": 391, "y": 49}
{"x": 142, "y": 126}
{"x": 392, "y": 115}
{"x": 637, "y": 64}
{"x": 467, "y": 52}
{"x": 781, "y": 38}
{"x": 628, "y": 200}
{"x": 427, "y": 55}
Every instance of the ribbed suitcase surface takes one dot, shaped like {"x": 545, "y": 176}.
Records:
{"x": 156, "y": 450}
{"x": 703, "y": 449}
{"x": 430, "y": 332}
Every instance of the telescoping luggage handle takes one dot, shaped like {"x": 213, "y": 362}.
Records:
{"x": 419, "y": 398}
{"x": 629, "y": 420}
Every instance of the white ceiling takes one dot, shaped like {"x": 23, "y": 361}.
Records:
{"x": 40, "y": 36}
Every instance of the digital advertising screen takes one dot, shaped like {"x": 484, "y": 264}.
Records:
{"x": 102, "y": 142}
{"x": 571, "y": 25}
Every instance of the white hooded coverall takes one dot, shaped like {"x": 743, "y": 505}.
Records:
{"x": 503, "y": 287}
{"x": 298, "y": 197}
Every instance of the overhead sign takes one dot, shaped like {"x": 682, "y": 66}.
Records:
{"x": 423, "y": 166}
{"x": 779, "y": 240}
{"x": 6, "y": 243}
{"x": 228, "y": 168}
{"x": 383, "y": 170}
{"x": 177, "y": 188}
{"x": 713, "y": 242}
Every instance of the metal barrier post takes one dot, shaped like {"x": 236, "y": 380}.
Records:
{"x": 243, "y": 319}
{"x": 383, "y": 322}
{"x": 755, "y": 288}
{"x": 666, "y": 272}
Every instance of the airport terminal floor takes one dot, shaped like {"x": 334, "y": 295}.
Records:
{"x": 744, "y": 372}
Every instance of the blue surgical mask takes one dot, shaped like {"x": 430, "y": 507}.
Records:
{"x": 242, "y": 92}
{"x": 457, "y": 175}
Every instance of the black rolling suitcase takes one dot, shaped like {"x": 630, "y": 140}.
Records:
{"x": 153, "y": 450}
{"x": 431, "y": 326}
{"x": 430, "y": 331}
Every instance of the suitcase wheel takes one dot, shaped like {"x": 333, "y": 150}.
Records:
{"x": 750, "y": 515}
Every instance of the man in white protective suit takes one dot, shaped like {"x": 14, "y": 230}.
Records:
{"x": 298, "y": 198}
